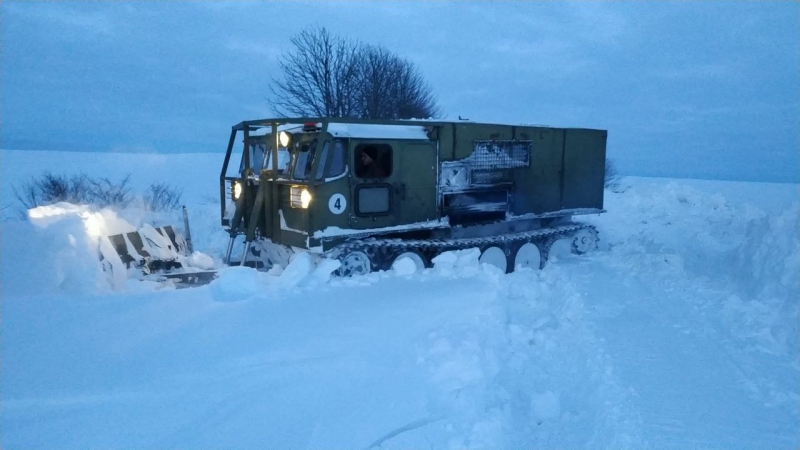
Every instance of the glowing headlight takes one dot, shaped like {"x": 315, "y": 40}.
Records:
{"x": 284, "y": 138}
{"x": 299, "y": 197}
{"x": 305, "y": 198}
{"x": 237, "y": 190}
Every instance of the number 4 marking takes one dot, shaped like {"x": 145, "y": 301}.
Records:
{"x": 337, "y": 203}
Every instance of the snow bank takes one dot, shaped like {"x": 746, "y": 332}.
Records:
{"x": 57, "y": 250}
{"x": 768, "y": 270}
{"x": 689, "y": 232}
{"x": 304, "y": 272}
{"x": 65, "y": 250}
{"x": 237, "y": 283}
{"x": 50, "y": 260}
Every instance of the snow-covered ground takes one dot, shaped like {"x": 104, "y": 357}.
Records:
{"x": 681, "y": 331}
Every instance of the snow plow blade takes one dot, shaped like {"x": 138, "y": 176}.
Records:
{"x": 155, "y": 254}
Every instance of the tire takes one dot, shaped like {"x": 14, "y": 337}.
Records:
{"x": 495, "y": 256}
{"x": 529, "y": 256}
{"x": 419, "y": 260}
{"x": 354, "y": 263}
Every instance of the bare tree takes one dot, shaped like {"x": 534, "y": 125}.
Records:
{"x": 104, "y": 192}
{"x": 377, "y": 79}
{"x": 393, "y": 88}
{"x": 162, "y": 197}
{"x": 319, "y": 76}
{"x": 413, "y": 97}
{"x": 327, "y": 75}
{"x": 79, "y": 189}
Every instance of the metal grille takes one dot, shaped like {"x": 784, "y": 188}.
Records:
{"x": 500, "y": 154}
{"x": 295, "y": 196}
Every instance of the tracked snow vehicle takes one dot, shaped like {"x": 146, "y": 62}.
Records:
{"x": 370, "y": 193}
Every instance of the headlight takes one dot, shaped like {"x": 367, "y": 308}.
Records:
{"x": 305, "y": 198}
{"x": 284, "y": 138}
{"x": 237, "y": 190}
{"x": 299, "y": 197}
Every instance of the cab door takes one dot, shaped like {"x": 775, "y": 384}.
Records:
{"x": 401, "y": 192}
{"x": 372, "y": 187}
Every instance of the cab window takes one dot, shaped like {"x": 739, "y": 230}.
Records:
{"x": 373, "y": 160}
{"x": 373, "y": 199}
{"x": 256, "y": 157}
{"x": 323, "y": 159}
{"x": 338, "y": 165}
{"x": 304, "y": 159}
{"x": 337, "y": 161}
{"x": 283, "y": 160}
{"x": 261, "y": 158}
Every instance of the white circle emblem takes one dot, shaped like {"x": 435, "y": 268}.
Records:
{"x": 337, "y": 204}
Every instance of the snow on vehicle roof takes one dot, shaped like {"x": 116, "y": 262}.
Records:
{"x": 285, "y": 127}
{"x": 373, "y": 131}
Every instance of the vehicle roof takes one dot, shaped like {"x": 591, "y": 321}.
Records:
{"x": 349, "y": 122}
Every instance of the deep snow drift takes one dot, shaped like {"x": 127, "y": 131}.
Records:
{"x": 681, "y": 331}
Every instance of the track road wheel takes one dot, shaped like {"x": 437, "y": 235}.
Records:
{"x": 354, "y": 263}
{"x": 494, "y": 256}
{"x": 413, "y": 256}
{"x": 528, "y": 256}
{"x": 584, "y": 240}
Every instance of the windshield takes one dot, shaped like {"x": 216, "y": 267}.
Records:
{"x": 257, "y": 151}
{"x": 261, "y": 157}
{"x": 304, "y": 159}
{"x": 283, "y": 160}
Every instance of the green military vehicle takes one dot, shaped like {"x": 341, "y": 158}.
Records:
{"x": 370, "y": 193}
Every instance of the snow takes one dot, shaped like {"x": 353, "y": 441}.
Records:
{"x": 360, "y": 130}
{"x": 338, "y": 231}
{"x": 201, "y": 261}
{"x": 454, "y": 175}
{"x": 680, "y": 331}
{"x": 404, "y": 266}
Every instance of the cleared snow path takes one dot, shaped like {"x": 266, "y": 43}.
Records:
{"x": 689, "y": 389}
{"x": 703, "y": 330}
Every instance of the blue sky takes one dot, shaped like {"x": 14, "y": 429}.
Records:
{"x": 706, "y": 89}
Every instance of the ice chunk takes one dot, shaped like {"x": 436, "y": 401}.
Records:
{"x": 322, "y": 273}
{"x": 446, "y": 259}
{"x": 201, "y": 261}
{"x": 404, "y": 266}
{"x": 236, "y": 283}
{"x": 458, "y": 258}
{"x": 459, "y": 262}
{"x": 296, "y": 271}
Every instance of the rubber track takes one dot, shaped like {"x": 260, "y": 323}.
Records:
{"x": 377, "y": 247}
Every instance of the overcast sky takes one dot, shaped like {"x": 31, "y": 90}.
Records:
{"x": 708, "y": 89}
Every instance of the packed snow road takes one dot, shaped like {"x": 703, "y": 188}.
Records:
{"x": 681, "y": 331}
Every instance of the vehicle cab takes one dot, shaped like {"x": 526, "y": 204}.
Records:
{"x": 310, "y": 183}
